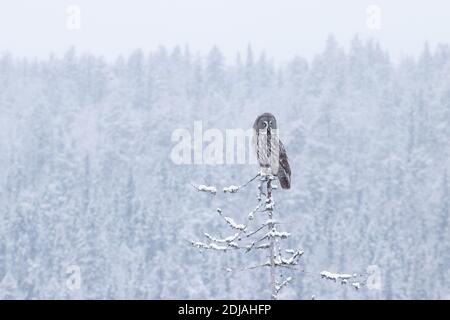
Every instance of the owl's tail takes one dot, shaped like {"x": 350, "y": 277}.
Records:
{"x": 284, "y": 171}
{"x": 285, "y": 180}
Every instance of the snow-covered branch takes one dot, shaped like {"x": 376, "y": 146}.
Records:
{"x": 234, "y": 189}
{"x": 225, "y": 240}
{"x": 204, "y": 188}
{"x": 335, "y": 276}
{"x": 271, "y": 237}
{"x": 252, "y": 213}
{"x": 281, "y": 285}
{"x": 211, "y": 246}
{"x": 230, "y": 221}
{"x": 344, "y": 278}
{"x": 293, "y": 260}
{"x": 231, "y": 189}
{"x": 276, "y": 234}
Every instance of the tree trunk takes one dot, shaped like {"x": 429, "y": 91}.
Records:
{"x": 271, "y": 242}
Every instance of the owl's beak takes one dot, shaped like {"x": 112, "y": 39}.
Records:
{"x": 267, "y": 127}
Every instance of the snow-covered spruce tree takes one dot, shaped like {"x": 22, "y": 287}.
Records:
{"x": 266, "y": 236}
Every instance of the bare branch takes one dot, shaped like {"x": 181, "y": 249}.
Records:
{"x": 256, "y": 231}
{"x": 235, "y": 189}
{"x": 226, "y": 240}
{"x": 274, "y": 234}
{"x": 252, "y": 213}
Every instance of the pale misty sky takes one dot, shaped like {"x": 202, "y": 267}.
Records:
{"x": 282, "y": 28}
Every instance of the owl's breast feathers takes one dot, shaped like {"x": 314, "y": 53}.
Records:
{"x": 271, "y": 153}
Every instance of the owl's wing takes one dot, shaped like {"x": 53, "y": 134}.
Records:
{"x": 284, "y": 171}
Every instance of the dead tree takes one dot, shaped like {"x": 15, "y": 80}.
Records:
{"x": 266, "y": 236}
{"x": 248, "y": 237}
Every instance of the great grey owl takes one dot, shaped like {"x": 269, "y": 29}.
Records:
{"x": 270, "y": 151}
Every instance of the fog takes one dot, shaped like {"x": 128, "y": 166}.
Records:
{"x": 282, "y": 28}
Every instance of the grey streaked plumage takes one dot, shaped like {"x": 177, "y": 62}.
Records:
{"x": 269, "y": 149}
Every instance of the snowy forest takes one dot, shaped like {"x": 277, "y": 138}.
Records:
{"x": 87, "y": 182}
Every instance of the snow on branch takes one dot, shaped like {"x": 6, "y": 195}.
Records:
{"x": 335, "y": 276}
{"x": 270, "y": 204}
{"x": 356, "y": 285}
{"x": 234, "y": 189}
{"x": 225, "y": 240}
{"x": 279, "y": 261}
{"x": 269, "y": 241}
{"x": 208, "y": 189}
{"x": 281, "y": 285}
{"x": 272, "y": 234}
{"x": 252, "y": 213}
{"x": 268, "y": 222}
{"x": 357, "y": 279}
{"x": 263, "y": 246}
{"x": 277, "y": 234}
{"x": 231, "y": 189}
{"x": 211, "y": 246}
{"x": 342, "y": 277}
{"x": 232, "y": 223}
{"x": 293, "y": 260}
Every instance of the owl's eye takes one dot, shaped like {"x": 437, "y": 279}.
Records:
{"x": 265, "y": 124}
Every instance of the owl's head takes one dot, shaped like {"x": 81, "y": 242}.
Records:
{"x": 265, "y": 122}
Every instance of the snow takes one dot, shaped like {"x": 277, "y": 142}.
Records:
{"x": 231, "y": 189}
{"x": 212, "y": 246}
{"x": 217, "y": 247}
{"x": 225, "y": 240}
{"x": 293, "y": 259}
{"x": 270, "y": 205}
{"x": 86, "y": 169}
{"x": 356, "y": 285}
{"x": 335, "y": 276}
{"x": 233, "y": 244}
{"x": 252, "y": 213}
{"x": 270, "y": 221}
{"x": 234, "y": 225}
{"x": 200, "y": 245}
{"x": 278, "y": 234}
{"x": 210, "y": 189}
{"x": 283, "y": 284}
